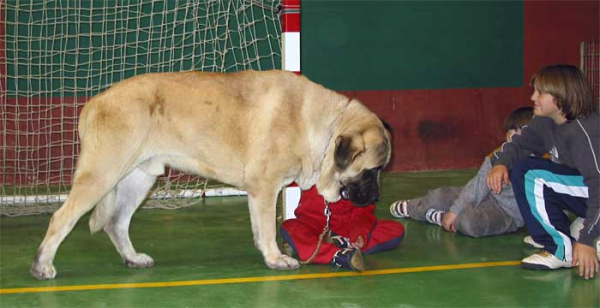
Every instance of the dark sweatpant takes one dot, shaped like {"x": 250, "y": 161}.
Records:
{"x": 544, "y": 190}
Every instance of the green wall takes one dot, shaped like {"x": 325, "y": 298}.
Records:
{"x": 379, "y": 45}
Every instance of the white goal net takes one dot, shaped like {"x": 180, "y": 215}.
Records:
{"x": 56, "y": 54}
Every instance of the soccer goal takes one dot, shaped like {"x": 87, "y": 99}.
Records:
{"x": 55, "y": 55}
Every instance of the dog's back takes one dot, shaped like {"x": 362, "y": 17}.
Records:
{"x": 200, "y": 122}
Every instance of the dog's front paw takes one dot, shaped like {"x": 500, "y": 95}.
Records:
{"x": 42, "y": 272}
{"x": 283, "y": 262}
{"x": 139, "y": 260}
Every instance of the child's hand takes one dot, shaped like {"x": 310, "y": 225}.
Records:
{"x": 497, "y": 177}
{"x": 585, "y": 257}
{"x": 448, "y": 220}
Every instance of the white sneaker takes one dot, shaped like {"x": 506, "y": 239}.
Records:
{"x": 399, "y": 209}
{"x": 576, "y": 227}
{"x": 598, "y": 249}
{"x": 434, "y": 216}
{"x": 529, "y": 241}
{"x": 544, "y": 260}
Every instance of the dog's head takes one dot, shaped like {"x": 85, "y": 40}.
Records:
{"x": 359, "y": 155}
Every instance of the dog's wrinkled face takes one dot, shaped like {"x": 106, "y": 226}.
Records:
{"x": 359, "y": 159}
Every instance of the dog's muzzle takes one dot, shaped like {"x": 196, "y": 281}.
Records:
{"x": 357, "y": 197}
{"x": 363, "y": 190}
{"x": 345, "y": 193}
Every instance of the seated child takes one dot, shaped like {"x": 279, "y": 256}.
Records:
{"x": 353, "y": 230}
{"x": 473, "y": 209}
{"x": 567, "y": 125}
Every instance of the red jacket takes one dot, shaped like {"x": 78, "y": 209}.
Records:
{"x": 346, "y": 219}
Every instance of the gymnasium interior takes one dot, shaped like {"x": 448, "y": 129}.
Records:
{"x": 443, "y": 74}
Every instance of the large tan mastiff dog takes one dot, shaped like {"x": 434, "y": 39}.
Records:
{"x": 259, "y": 131}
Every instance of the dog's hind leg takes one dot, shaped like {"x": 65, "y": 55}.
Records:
{"x": 88, "y": 189}
{"x": 262, "y": 215}
{"x": 113, "y": 136}
{"x": 128, "y": 195}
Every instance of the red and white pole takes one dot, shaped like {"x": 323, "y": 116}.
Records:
{"x": 290, "y": 36}
{"x": 290, "y": 41}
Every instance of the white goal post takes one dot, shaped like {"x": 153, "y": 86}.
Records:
{"x": 56, "y": 54}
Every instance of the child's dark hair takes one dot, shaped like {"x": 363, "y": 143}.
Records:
{"x": 568, "y": 85}
{"x": 518, "y": 118}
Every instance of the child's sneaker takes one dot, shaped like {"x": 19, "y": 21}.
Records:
{"x": 350, "y": 258}
{"x": 434, "y": 216}
{"x": 576, "y": 227}
{"x": 338, "y": 240}
{"x": 399, "y": 209}
{"x": 543, "y": 260}
{"x": 529, "y": 241}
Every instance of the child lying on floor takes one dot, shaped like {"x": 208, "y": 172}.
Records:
{"x": 354, "y": 231}
{"x": 473, "y": 209}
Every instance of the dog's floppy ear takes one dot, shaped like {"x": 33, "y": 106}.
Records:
{"x": 346, "y": 150}
{"x": 387, "y": 126}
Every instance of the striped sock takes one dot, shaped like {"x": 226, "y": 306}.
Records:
{"x": 434, "y": 216}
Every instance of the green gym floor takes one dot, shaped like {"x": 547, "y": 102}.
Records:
{"x": 205, "y": 257}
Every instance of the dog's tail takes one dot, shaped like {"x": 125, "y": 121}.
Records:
{"x": 103, "y": 212}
